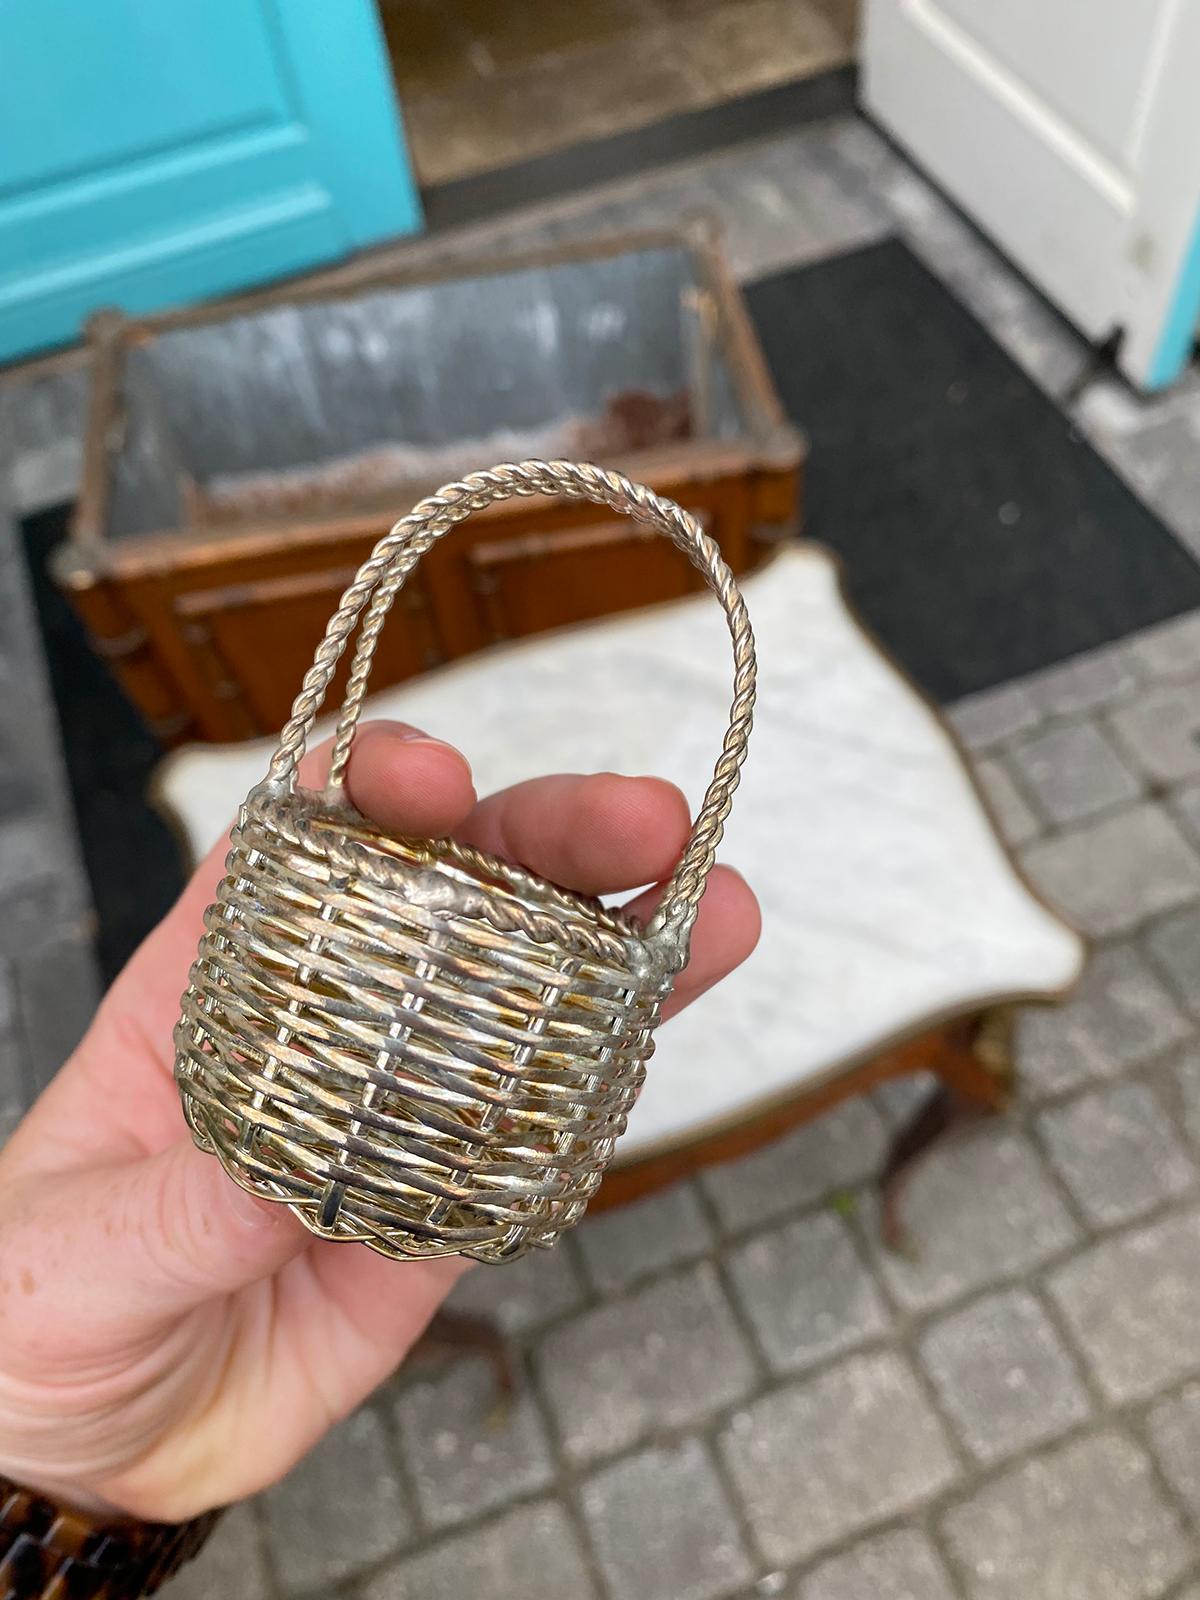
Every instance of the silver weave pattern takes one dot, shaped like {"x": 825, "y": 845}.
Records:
{"x": 410, "y": 1042}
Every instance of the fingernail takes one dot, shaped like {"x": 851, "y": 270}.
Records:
{"x": 428, "y": 739}
{"x": 405, "y": 735}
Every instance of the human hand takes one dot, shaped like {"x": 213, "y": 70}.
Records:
{"x": 169, "y": 1343}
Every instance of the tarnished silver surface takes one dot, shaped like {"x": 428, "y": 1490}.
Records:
{"x": 417, "y": 380}
{"x": 412, "y": 1043}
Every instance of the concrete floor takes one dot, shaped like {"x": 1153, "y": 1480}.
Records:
{"x": 731, "y": 1390}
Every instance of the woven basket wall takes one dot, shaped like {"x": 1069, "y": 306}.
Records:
{"x": 466, "y": 1080}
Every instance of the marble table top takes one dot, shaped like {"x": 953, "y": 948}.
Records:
{"x": 889, "y": 903}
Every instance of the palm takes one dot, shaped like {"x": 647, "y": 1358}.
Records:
{"x": 167, "y": 1343}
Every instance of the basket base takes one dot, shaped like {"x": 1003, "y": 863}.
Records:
{"x": 489, "y": 1241}
{"x": 414, "y": 1046}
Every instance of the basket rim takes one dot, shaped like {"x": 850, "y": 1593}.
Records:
{"x": 445, "y": 874}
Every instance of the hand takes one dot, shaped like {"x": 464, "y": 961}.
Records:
{"x": 169, "y": 1343}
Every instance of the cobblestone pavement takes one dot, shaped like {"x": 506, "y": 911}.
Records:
{"x": 731, "y": 1390}
{"x": 48, "y": 986}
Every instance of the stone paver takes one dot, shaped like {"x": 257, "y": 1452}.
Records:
{"x": 1116, "y": 1152}
{"x": 44, "y": 904}
{"x": 339, "y": 1510}
{"x": 1120, "y": 1016}
{"x": 1002, "y": 1374}
{"x": 231, "y": 1563}
{"x": 836, "y": 1151}
{"x": 1174, "y": 945}
{"x": 1014, "y": 816}
{"x": 1132, "y": 1303}
{"x": 1186, "y": 1072}
{"x": 12, "y": 1109}
{"x": 1072, "y": 771}
{"x": 522, "y": 1295}
{"x": 31, "y": 858}
{"x": 1085, "y": 1522}
{"x": 620, "y": 1246}
{"x": 1052, "y": 353}
{"x": 18, "y": 793}
{"x": 1155, "y": 459}
{"x": 899, "y": 1099}
{"x": 1170, "y": 649}
{"x": 1111, "y": 875}
{"x": 806, "y": 1291}
{"x": 901, "y": 1565}
{"x": 58, "y": 991}
{"x": 663, "y": 1528}
{"x": 49, "y": 405}
{"x": 468, "y": 1450}
{"x": 852, "y": 1446}
{"x": 1161, "y": 730}
{"x": 666, "y": 1355}
{"x": 988, "y": 718}
{"x": 1173, "y": 1428}
{"x": 532, "y": 1552}
{"x": 1085, "y": 682}
{"x": 13, "y": 1071}
{"x": 981, "y": 1208}
{"x": 38, "y": 912}
{"x": 1184, "y": 803}
{"x": 766, "y": 219}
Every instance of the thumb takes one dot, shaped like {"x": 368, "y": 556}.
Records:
{"x": 198, "y": 1234}
{"x": 125, "y": 1246}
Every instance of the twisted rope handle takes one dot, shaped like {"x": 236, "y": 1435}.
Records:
{"x": 384, "y": 572}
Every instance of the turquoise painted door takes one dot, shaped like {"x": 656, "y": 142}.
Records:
{"x": 154, "y": 152}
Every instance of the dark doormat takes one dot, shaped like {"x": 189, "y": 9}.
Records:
{"x": 130, "y": 854}
{"x": 982, "y": 537}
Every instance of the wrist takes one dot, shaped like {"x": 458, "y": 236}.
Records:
{"x": 70, "y": 1496}
{"x": 49, "y": 1549}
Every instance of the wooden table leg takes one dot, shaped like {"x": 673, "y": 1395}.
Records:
{"x": 458, "y": 1331}
{"x": 975, "y": 1075}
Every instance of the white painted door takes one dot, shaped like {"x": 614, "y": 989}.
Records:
{"x": 1069, "y": 130}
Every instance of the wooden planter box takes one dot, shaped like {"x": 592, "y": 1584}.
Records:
{"x": 242, "y": 459}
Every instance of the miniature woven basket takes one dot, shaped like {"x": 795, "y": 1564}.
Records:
{"x": 407, "y": 1041}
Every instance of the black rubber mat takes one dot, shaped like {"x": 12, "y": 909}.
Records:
{"x": 130, "y": 855}
{"x": 982, "y": 536}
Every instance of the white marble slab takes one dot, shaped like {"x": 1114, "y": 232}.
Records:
{"x": 888, "y": 901}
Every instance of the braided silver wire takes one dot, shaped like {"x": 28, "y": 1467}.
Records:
{"x": 383, "y": 574}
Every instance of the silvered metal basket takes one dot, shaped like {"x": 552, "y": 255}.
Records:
{"x": 409, "y": 1042}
